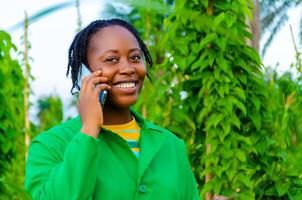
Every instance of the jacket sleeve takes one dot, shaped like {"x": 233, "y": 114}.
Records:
{"x": 189, "y": 182}
{"x": 55, "y": 175}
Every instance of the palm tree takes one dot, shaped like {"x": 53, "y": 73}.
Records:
{"x": 43, "y": 13}
{"x": 273, "y": 15}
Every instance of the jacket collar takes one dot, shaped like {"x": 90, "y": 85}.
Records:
{"x": 151, "y": 140}
{"x": 143, "y": 123}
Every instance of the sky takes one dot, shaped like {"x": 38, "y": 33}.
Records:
{"x": 51, "y": 37}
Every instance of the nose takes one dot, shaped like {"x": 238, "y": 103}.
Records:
{"x": 127, "y": 68}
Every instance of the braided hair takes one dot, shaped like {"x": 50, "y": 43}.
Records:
{"x": 77, "y": 53}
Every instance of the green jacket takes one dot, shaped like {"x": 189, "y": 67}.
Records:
{"x": 65, "y": 164}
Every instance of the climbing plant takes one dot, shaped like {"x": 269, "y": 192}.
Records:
{"x": 210, "y": 90}
{"x": 50, "y": 113}
{"x": 11, "y": 118}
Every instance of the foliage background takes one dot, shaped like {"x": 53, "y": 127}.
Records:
{"x": 241, "y": 120}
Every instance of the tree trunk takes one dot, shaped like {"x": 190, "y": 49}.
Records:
{"x": 255, "y": 26}
{"x": 209, "y": 176}
{"x": 26, "y": 86}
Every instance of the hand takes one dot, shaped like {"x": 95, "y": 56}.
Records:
{"x": 88, "y": 104}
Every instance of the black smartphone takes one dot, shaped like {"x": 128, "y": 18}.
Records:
{"x": 103, "y": 93}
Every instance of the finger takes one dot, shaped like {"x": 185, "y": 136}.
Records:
{"x": 86, "y": 80}
{"x": 96, "y": 73}
{"x": 101, "y": 87}
{"x": 97, "y": 80}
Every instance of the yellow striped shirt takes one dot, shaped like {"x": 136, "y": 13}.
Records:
{"x": 130, "y": 132}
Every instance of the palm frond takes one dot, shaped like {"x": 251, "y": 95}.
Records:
{"x": 282, "y": 19}
{"x": 267, "y": 6}
{"x": 275, "y": 14}
{"x": 298, "y": 2}
{"x": 43, "y": 13}
{"x": 162, "y": 8}
{"x": 115, "y": 10}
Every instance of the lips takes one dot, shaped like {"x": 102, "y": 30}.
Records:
{"x": 125, "y": 85}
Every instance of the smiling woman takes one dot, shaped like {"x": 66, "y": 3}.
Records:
{"x": 109, "y": 152}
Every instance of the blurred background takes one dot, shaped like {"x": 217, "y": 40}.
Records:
{"x": 227, "y": 79}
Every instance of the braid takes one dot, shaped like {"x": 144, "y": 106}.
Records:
{"x": 77, "y": 53}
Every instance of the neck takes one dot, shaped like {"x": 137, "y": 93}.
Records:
{"x": 114, "y": 116}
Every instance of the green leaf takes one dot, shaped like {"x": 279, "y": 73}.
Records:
{"x": 256, "y": 119}
{"x": 241, "y": 156}
{"x": 218, "y": 19}
{"x": 282, "y": 187}
{"x": 239, "y": 92}
{"x": 6, "y": 146}
{"x": 214, "y": 119}
{"x": 234, "y": 119}
{"x": 201, "y": 116}
{"x": 255, "y": 100}
{"x": 222, "y": 43}
{"x": 209, "y": 38}
{"x": 222, "y": 63}
{"x": 238, "y": 104}
{"x": 231, "y": 173}
{"x": 231, "y": 19}
{"x": 221, "y": 91}
{"x": 245, "y": 180}
{"x": 226, "y": 126}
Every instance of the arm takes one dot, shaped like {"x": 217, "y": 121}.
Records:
{"x": 71, "y": 177}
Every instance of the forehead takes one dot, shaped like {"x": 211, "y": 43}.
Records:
{"x": 112, "y": 37}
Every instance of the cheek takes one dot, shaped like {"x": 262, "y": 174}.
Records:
{"x": 141, "y": 71}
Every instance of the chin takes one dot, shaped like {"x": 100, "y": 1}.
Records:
{"x": 123, "y": 102}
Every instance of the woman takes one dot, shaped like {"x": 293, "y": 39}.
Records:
{"x": 110, "y": 153}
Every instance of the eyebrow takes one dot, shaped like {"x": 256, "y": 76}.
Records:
{"x": 116, "y": 51}
{"x": 135, "y": 49}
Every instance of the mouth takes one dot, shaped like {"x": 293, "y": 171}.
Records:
{"x": 125, "y": 84}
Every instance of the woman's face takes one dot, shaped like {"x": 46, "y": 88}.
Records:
{"x": 116, "y": 52}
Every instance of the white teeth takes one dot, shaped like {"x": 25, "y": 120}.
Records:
{"x": 126, "y": 85}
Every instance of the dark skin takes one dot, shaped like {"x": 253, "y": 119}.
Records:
{"x": 116, "y": 63}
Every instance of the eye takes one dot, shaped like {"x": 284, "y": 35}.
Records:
{"x": 136, "y": 57}
{"x": 111, "y": 59}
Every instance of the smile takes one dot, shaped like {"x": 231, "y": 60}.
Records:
{"x": 125, "y": 85}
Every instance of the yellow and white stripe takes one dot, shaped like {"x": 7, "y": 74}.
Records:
{"x": 130, "y": 132}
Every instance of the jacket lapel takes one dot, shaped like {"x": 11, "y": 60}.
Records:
{"x": 151, "y": 140}
{"x": 122, "y": 152}
{"x": 150, "y": 143}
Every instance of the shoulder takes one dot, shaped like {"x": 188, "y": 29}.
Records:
{"x": 61, "y": 133}
{"x": 151, "y": 127}
{"x": 171, "y": 138}
{"x": 162, "y": 130}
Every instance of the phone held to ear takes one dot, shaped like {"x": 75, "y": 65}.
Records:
{"x": 103, "y": 93}
{"x": 102, "y": 97}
